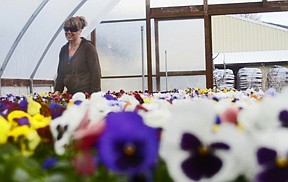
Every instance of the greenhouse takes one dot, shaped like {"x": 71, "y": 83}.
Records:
{"x": 188, "y": 90}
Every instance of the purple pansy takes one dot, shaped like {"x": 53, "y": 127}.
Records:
{"x": 273, "y": 169}
{"x": 23, "y": 121}
{"x": 127, "y": 144}
{"x": 78, "y": 102}
{"x": 283, "y": 117}
{"x": 7, "y": 106}
{"x": 109, "y": 97}
{"x": 23, "y": 105}
{"x": 56, "y": 110}
{"x": 202, "y": 163}
{"x": 200, "y": 151}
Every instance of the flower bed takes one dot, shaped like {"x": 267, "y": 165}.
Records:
{"x": 181, "y": 135}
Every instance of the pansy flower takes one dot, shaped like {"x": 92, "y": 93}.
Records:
{"x": 157, "y": 113}
{"x": 275, "y": 168}
{"x": 45, "y": 134}
{"x": 49, "y": 163}
{"x": 78, "y": 96}
{"x": 202, "y": 162}
{"x": 5, "y": 128}
{"x": 56, "y": 110}
{"x": 77, "y": 99}
{"x": 109, "y": 96}
{"x": 98, "y": 108}
{"x": 115, "y": 105}
{"x": 45, "y": 110}
{"x": 272, "y": 156}
{"x": 40, "y": 121}
{"x": 127, "y": 145}
{"x": 27, "y": 138}
{"x": 270, "y": 112}
{"x": 131, "y": 102}
{"x": 33, "y": 107}
{"x": 23, "y": 105}
{"x": 84, "y": 162}
{"x": 7, "y": 106}
{"x": 62, "y": 128}
{"x": 19, "y": 118}
{"x": 199, "y": 153}
{"x": 87, "y": 134}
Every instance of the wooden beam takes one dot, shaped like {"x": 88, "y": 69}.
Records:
{"x": 93, "y": 37}
{"x": 24, "y": 82}
{"x": 245, "y": 8}
{"x": 179, "y": 12}
{"x": 122, "y": 76}
{"x": 157, "y": 58}
{"x": 182, "y": 73}
{"x": 204, "y": 11}
{"x": 148, "y": 39}
{"x": 208, "y": 51}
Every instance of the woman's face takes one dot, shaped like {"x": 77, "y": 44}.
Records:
{"x": 72, "y": 33}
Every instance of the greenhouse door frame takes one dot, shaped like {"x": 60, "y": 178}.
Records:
{"x": 204, "y": 11}
{"x": 160, "y": 74}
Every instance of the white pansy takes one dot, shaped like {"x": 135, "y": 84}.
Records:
{"x": 98, "y": 108}
{"x": 197, "y": 118}
{"x": 62, "y": 128}
{"x": 158, "y": 113}
{"x": 78, "y": 96}
{"x": 264, "y": 114}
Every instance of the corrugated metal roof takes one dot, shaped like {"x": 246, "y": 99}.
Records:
{"x": 259, "y": 22}
{"x": 241, "y": 40}
{"x": 251, "y": 57}
{"x": 237, "y": 34}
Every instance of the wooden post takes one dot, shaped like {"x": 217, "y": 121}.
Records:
{"x": 93, "y": 37}
{"x": 208, "y": 46}
{"x": 148, "y": 40}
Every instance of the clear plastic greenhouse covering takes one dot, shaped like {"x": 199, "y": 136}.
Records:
{"x": 32, "y": 35}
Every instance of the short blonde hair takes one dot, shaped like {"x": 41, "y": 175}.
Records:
{"x": 78, "y": 22}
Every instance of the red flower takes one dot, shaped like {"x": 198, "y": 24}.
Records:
{"x": 84, "y": 163}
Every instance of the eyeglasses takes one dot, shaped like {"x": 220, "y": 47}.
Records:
{"x": 72, "y": 29}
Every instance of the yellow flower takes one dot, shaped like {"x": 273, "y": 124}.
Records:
{"x": 4, "y": 129}
{"x": 44, "y": 94}
{"x": 27, "y": 138}
{"x": 147, "y": 100}
{"x": 39, "y": 121}
{"x": 33, "y": 107}
{"x": 70, "y": 103}
{"x": 17, "y": 114}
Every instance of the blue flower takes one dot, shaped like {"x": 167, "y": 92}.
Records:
{"x": 49, "y": 163}
{"x": 127, "y": 144}
{"x": 109, "y": 97}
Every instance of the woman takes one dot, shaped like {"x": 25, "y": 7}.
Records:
{"x": 79, "y": 67}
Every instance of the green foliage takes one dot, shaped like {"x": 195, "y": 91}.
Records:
{"x": 14, "y": 167}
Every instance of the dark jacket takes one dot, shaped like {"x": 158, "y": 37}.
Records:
{"x": 82, "y": 73}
